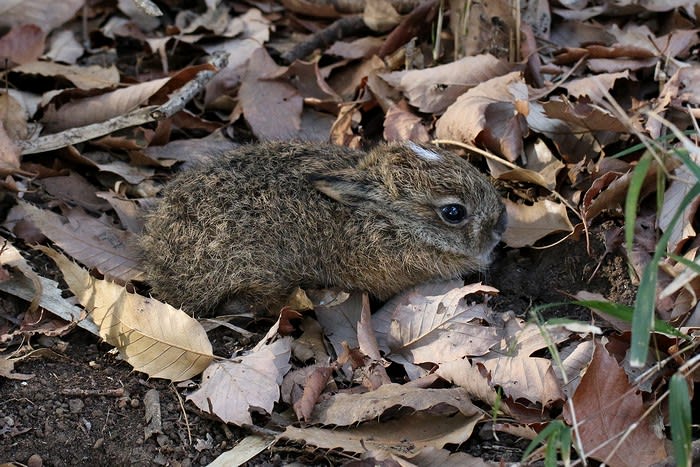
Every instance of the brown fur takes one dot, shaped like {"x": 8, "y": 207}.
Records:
{"x": 253, "y": 224}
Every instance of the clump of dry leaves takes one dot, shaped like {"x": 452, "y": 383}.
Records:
{"x": 103, "y": 104}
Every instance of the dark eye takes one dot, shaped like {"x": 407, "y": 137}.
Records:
{"x": 453, "y": 213}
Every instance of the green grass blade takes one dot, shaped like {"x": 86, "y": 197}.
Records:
{"x": 626, "y": 313}
{"x": 679, "y": 413}
{"x": 644, "y": 319}
{"x": 636, "y": 182}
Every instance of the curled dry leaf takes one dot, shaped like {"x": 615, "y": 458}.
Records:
{"x": 350, "y": 409}
{"x": 82, "y": 77}
{"x": 527, "y": 224}
{"x": 313, "y": 387}
{"x": 153, "y": 337}
{"x": 402, "y": 125}
{"x": 232, "y": 388}
{"x": 432, "y": 90}
{"x": 404, "y": 436}
{"x": 436, "y": 328}
{"x": 9, "y": 153}
{"x": 492, "y": 113}
{"x": 521, "y": 377}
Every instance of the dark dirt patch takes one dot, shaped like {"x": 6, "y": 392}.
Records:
{"x": 68, "y": 413}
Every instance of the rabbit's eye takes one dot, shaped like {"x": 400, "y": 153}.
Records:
{"x": 453, "y": 213}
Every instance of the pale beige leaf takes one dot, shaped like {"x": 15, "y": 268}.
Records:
{"x": 682, "y": 183}
{"x": 380, "y": 15}
{"x": 83, "y": 77}
{"x": 492, "y": 114}
{"x": 339, "y": 322}
{"x": 13, "y": 117}
{"x": 9, "y": 153}
{"x": 468, "y": 377}
{"x": 541, "y": 167}
{"x": 575, "y": 358}
{"x": 402, "y": 125}
{"x": 594, "y": 86}
{"x": 47, "y": 16}
{"x": 81, "y": 112}
{"x": 348, "y": 409}
{"x": 245, "y": 450}
{"x": 64, "y": 47}
{"x": 404, "y": 436}
{"x": 232, "y": 388}
{"x": 435, "y": 328}
{"x": 527, "y": 224}
{"x": 528, "y": 378}
{"x": 153, "y": 337}
{"x": 94, "y": 242}
{"x": 432, "y": 90}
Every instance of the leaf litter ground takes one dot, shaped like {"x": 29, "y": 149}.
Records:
{"x": 86, "y": 407}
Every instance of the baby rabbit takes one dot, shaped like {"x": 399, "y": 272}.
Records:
{"x": 247, "y": 228}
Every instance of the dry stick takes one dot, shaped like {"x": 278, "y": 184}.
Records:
{"x": 152, "y": 113}
{"x": 119, "y": 392}
{"x": 339, "y": 29}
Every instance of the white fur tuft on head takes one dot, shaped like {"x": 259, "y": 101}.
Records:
{"x": 425, "y": 154}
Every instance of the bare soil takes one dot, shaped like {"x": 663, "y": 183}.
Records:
{"x": 85, "y": 407}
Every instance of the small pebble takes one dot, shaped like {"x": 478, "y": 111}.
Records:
{"x": 76, "y": 405}
{"x": 35, "y": 460}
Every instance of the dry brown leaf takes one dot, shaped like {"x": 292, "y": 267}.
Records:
{"x": 402, "y": 125}
{"x": 583, "y": 116}
{"x": 575, "y": 358}
{"x": 74, "y": 188}
{"x": 433, "y": 90}
{"x": 153, "y": 337}
{"x": 7, "y": 370}
{"x": 606, "y": 406}
{"x": 527, "y": 224}
{"x": 541, "y": 167}
{"x": 232, "y": 388}
{"x": 593, "y": 86}
{"x": 9, "y": 153}
{"x": 350, "y": 409}
{"x": 314, "y": 385}
{"x": 572, "y": 145}
{"x": 339, "y": 322}
{"x": 404, "y": 436}
{"x": 82, "y": 77}
{"x": 435, "y": 328}
{"x": 465, "y": 375}
{"x": 22, "y": 44}
{"x": 92, "y": 241}
{"x": 492, "y": 113}
{"x": 444, "y": 458}
{"x": 245, "y": 450}
{"x": 380, "y": 15}
{"x": 13, "y": 12}
{"x": 81, "y": 112}
{"x": 13, "y": 117}
{"x": 522, "y": 377}
{"x": 310, "y": 345}
{"x": 271, "y": 108}
{"x": 682, "y": 183}
{"x": 364, "y": 47}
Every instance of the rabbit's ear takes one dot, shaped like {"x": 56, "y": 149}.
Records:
{"x": 346, "y": 187}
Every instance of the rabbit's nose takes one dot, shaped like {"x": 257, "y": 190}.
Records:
{"x": 501, "y": 223}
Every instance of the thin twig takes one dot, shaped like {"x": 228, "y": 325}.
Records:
{"x": 175, "y": 103}
{"x": 339, "y": 29}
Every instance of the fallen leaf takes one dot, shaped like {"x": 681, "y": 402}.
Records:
{"x": 272, "y": 108}
{"x": 82, "y": 77}
{"x": 92, "y": 241}
{"x": 402, "y": 125}
{"x": 153, "y": 337}
{"x": 436, "y": 328}
{"x": 432, "y": 90}
{"x": 13, "y": 12}
{"x": 232, "y": 388}
{"x": 22, "y": 44}
{"x": 527, "y": 224}
{"x": 492, "y": 113}
{"x": 520, "y": 377}
{"x": 605, "y": 407}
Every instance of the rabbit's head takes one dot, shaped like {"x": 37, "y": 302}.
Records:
{"x": 424, "y": 195}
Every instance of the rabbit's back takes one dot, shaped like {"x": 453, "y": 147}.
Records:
{"x": 253, "y": 224}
